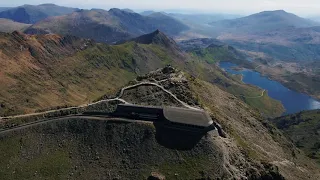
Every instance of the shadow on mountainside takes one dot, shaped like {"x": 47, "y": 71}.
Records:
{"x": 172, "y": 138}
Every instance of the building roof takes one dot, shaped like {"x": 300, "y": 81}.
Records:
{"x": 172, "y": 114}
{"x": 187, "y": 116}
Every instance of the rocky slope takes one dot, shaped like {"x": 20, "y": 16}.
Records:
{"x": 249, "y": 147}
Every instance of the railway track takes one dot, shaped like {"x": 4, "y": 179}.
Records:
{"x": 87, "y": 117}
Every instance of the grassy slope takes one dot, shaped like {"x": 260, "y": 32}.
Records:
{"x": 215, "y": 53}
{"x": 304, "y": 130}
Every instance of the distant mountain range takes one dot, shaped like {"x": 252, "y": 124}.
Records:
{"x": 289, "y": 44}
{"x": 263, "y": 21}
{"x": 202, "y": 18}
{"x": 314, "y": 18}
{"x": 278, "y": 34}
{"x": 147, "y": 13}
{"x": 30, "y": 14}
{"x": 4, "y": 8}
{"x": 107, "y": 26}
{"x": 195, "y": 18}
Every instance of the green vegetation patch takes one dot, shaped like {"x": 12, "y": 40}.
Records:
{"x": 304, "y": 130}
{"x": 189, "y": 168}
{"x": 22, "y": 157}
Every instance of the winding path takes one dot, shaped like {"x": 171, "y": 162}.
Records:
{"x": 109, "y": 100}
{"x": 162, "y": 88}
{"x": 257, "y": 67}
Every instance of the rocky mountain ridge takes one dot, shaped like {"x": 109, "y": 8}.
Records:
{"x": 39, "y": 75}
{"x": 107, "y": 26}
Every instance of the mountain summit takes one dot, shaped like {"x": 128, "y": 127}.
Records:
{"x": 156, "y": 37}
{"x": 159, "y": 38}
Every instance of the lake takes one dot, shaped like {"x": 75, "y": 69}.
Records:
{"x": 292, "y": 101}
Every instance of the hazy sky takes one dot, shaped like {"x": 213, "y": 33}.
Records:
{"x": 300, "y": 7}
